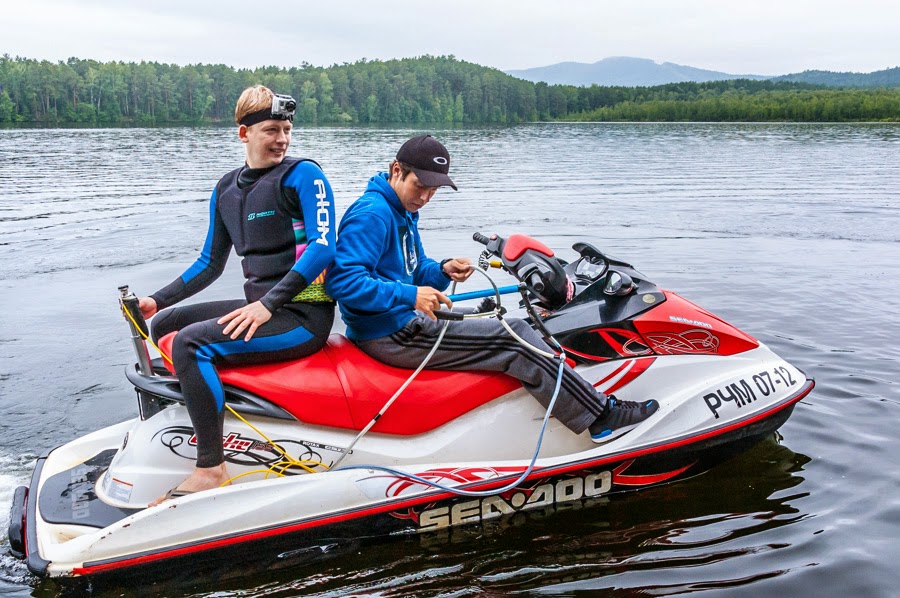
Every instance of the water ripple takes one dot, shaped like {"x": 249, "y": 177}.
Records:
{"x": 791, "y": 232}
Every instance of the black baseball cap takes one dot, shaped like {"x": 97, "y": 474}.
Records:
{"x": 429, "y": 159}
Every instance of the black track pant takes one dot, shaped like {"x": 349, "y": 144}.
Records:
{"x": 484, "y": 344}
{"x": 296, "y": 330}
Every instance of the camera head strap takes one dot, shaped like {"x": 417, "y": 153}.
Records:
{"x": 282, "y": 108}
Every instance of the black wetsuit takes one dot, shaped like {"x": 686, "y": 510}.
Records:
{"x": 281, "y": 222}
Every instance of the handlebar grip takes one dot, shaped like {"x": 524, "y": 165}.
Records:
{"x": 132, "y": 305}
{"x": 440, "y": 314}
{"x": 484, "y": 240}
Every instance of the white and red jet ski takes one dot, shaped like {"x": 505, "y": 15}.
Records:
{"x": 720, "y": 391}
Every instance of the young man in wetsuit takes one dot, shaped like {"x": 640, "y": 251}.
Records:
{"x": 278, "y": 214}
{"x": 388, "y": 289}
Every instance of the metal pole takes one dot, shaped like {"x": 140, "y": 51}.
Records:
{"x": 147, "y": 405}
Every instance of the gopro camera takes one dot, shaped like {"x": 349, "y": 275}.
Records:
{"x": 283, "y": 107}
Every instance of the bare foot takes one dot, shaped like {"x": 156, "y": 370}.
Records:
{"x": 202, "y": 478}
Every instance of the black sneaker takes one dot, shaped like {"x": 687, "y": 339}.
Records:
{"x": 619, "y": 417}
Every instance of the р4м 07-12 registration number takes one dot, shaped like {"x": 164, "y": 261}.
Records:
{"x": 743, "y": 391}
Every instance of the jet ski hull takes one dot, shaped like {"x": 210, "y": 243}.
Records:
{"x": 262, "y": 521}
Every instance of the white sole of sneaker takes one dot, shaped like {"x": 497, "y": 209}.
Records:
{"x": 613, "y": 434}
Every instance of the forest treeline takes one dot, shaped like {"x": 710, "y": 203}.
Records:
{"x": 739, "y": 104}
{"x": 424, "y": 90}
{"x": 884, "y": 78}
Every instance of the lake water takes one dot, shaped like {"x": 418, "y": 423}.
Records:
{"x": 790, "y": 232}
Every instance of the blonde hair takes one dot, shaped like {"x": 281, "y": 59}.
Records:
{"x": 252, "y": 100}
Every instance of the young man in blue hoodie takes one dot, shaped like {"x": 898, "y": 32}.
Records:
{"x": 388, "y": 290}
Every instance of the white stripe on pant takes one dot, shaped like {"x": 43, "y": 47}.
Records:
{"x": 484, "y": 344}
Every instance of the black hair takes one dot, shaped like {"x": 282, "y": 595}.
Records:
{"x": 405, "y": 169}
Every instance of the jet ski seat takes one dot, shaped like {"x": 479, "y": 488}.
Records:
{"x": 342, "y": 387}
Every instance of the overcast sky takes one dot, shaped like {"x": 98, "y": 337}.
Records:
{"x": 765, "y": 37}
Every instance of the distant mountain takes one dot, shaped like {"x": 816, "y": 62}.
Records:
{"x": 641, "y": 72}
{"x": 885, "y": 78}
{"x": 624, "y": 71}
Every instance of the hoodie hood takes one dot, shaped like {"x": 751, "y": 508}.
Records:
{"x": 380, "y": 184}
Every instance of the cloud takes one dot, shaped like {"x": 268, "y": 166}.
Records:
{"x": 766, "y": 37}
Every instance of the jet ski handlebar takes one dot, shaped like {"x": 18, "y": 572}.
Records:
{"x": 484, "y": 240}
{"x": 531, "y": 262}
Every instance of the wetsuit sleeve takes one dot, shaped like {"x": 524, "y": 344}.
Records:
{"x": 206, "y": 269}
{"x": 307, "y": 183}
{"x": 352, "y": 281}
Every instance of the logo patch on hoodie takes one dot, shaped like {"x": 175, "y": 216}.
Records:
{"x": 408, "y": 246}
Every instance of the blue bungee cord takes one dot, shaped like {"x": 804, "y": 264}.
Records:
{"x": 460, "y": 491}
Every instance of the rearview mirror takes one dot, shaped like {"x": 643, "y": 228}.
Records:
{"x": 618, "y": 284}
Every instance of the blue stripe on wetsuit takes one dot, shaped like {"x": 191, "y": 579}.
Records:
{"x": 317, "y": 255}
{"x": 205, "y": 355}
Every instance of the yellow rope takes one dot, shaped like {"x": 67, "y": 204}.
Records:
{"x": 288, "y": 462}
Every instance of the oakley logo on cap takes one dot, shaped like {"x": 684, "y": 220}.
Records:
{"x": 440, "y": 160}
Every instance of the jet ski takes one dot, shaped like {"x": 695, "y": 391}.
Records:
{"x": 338, "y": 447}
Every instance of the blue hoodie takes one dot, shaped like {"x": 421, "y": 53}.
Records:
{"x": 379, "y": 262}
